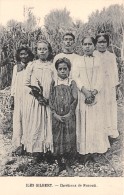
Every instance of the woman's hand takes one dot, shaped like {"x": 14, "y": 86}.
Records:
{"x": 94, "y": 92}
{"x": 42, "y": 100}
{"x": 90, "y": 100}
{"x": 87, "y": 93}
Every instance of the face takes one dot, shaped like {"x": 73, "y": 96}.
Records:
{"x": 88, "y": 46}
{"x": 42, "y": 51}
{"x": 63, "y": 71}
{"x": 23, "y": 56}
{"x": 101, "y": 44}
{"x": 68, "y": 42}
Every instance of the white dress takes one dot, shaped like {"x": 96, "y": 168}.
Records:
{"x": 74, "y": 59}
{"x": 91, "y": 136}
{"x": 38, "y": 127}
{"x": 111, "y": 80}
{"x": 17, "y": 90}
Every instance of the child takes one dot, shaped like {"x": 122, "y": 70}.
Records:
{"x": 91, "y": 136}
{"x": 63, "y": 102}
{"x": 38, "y": 130}
{"x": 23, "y": 56}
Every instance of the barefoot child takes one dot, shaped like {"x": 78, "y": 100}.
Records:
{"x": 63, "y": 102}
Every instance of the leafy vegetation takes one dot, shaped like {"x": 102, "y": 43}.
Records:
{"x": 56, "y": 23}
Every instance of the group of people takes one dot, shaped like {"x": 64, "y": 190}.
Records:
{"x": 65, "y": 106}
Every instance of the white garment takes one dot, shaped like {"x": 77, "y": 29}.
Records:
{"x": 74, "y": 59}
{"x": 91, "y": 136}
{"x": 111, "y": 80}
{"x": 59, "y": 81}
{"x": 17, "y": 90}
{"x": 38, "y": 129}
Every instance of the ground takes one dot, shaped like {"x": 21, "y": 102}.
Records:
{"x": 111, "y": 164}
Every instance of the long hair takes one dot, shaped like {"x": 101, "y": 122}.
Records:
{"x": 29, "y": 52}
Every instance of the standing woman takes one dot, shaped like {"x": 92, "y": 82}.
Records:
{"x": 38, "y": 129}
{"x": 23, "y": 56}
{"x": 111, "y": 80}
{"x": 91, "y": 136}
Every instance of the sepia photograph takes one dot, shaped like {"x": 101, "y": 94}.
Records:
{"x": 62, "y": 92}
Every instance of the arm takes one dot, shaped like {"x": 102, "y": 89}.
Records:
{"x": 86, "y": 92}
{"x": 51, "y": 96}
{"x": 76, "y": 77}
{"x": 98, "y": 83}
{"x": 13, "y": 85}
{"x": 27, "y": 82}
{"x": 29, "y": 70}
{"x": 51, "y": 102}
{"x": 75, "y": 95}
{"x": 73, "y": 105}
{"x": 53, "y": 66}
{"x": 98, "y": 77}
{"x": 115, "y": 72}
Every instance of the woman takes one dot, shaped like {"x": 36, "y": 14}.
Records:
{"x": 111, "y": 80}
{"x": 23, "y": 56}
{"x": 91, "y": 136}
{"x": 38, "y": 129}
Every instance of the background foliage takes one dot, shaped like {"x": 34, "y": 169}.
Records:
{"x": 56, "y": 23}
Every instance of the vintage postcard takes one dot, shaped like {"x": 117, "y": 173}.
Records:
{"x": 61, "y": 97}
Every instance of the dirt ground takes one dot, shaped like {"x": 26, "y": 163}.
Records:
{"x": 111, "y": 164}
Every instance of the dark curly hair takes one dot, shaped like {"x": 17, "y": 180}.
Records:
{"x": 29, "y": 52}
{"x": 61, "y": 60}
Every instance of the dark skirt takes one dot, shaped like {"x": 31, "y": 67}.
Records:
{"x": 64, "y": 136}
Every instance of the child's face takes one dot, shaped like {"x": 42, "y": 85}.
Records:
{"x": 88, "y": 46}
{"x": 23, "y": 56}
{"x": 42, "y": 51}
{"x": 101, "y": 44}
{"x": 63, "y": 71}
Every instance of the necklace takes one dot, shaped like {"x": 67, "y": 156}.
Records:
{"x": 90, "y": 82}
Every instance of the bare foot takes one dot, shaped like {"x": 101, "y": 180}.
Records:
{"x": 56, "y": 170}
{"x": 70, "y": 170}
{"x": 18, "y": 151}
{"x": 59, "y": 167}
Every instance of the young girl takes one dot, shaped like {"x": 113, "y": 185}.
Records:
{"x": 23, "y": 56}
{"x": 63, "y": 102}
{"x": 91, "y": 136}
{"x": 38, "y": 127}
{"x": 111, "y": 80}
